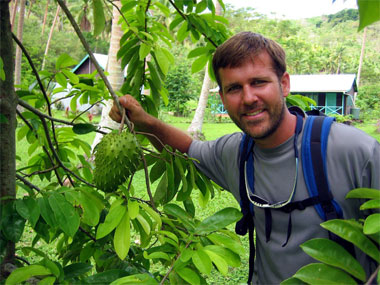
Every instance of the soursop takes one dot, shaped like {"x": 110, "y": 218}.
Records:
{"x": 117, "y": 156}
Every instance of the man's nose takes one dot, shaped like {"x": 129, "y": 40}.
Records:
{"x": 249, "y": 95}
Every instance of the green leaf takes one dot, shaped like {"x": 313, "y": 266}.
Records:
{"x": 135, "y": 279}
{"x": 76, "y": 269}
{"x": 47, "y": 280}
{"x": 202, "y": 261}
{"x": 333, "y": 254}
{"x": 219, "y": 220}
{"x": 24, "y": 273}
{"x": 292, "y": 281}
{"x": 91, "y": 213}
{"x": 169, "y": 235}
{"x": 199, "y": 63}
{"x": 349, "y": 231}
{"x": 133, "y": 208}
{"x": 61, "y": 80}
{"x": 144, "y": 50}
{"x": 74, "y": 79}
{"x": 198, "y": 51}
{"x": 113, "y": 218}
{"x": 105, "y": 277}
{"x": 155, "y": 216}
{"x": 47, "y": 212}
{"x": 157, "y": 170}
{"x": 371, "y": 204}
{"x": 144, "y": 223}
{"x": 178, "y": 212}
{"x": 162, "y": 60}
{"x": 219, "y": 262}
{"x": 372, "y": 224}
{"x": 99, "y": 18}
{"x": 64, "y": 213}
{"x": 82, "y": 128}
{"x": 319, "y": 273}
{"x": 364, "y": 193}
{"x": 156, "y": 255}
{"x": 64, "y": 60}
{"x": 227, "y": 242}
{"x": 161, "y": 188}
{"x": 369, "y": 12}
{"x": 122, "y": 238}
{"x": 12, "y": 224}
{"x": 29, "y": 209}
{"x": 188, "y": 275}
{"x": 182, "y": 32}
{"x": 229, "y": 256}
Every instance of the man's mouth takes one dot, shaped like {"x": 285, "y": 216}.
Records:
{"x": 254, "y": 113}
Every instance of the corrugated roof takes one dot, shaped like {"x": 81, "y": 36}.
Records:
{"x": 322, "y": 83}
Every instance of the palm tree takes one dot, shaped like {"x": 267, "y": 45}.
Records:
{"x": 116, "y": 74}
{"x": 50, "y": 37}
{"x": 20, "y": 28}
{"x": 195, "y": 128}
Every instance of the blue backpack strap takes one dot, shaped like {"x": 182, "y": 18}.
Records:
{"x": 314, "y": 148}
{"x": 246, "y": 223}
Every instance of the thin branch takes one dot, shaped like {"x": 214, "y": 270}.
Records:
{"x": 87, "y": 234}
{"x": 171, "y": 268}
{"x": 40, "y": 114}
{"x": 27, "y": 183}
{"x": 185, "y": 17}
{"x": 41, "y": 171}
{"x": 373, "y": 276}
{"x": 35, "y": 72}
{"x": 43, "y": 147}
{"x": 80, "y": 114}
{"x": 93, "y": 60}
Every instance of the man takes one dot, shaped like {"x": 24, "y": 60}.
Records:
{"x": 251, "y": 74}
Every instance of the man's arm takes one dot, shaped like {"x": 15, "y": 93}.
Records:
{"x": 145, "y": 122}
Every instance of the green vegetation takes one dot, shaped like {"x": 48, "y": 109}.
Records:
{"x": 167, "y": 222}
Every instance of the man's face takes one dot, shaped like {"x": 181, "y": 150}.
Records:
{"x": 254, "y": 96}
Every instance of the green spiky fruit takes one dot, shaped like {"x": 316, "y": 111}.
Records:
{"x": 117, "y": 156}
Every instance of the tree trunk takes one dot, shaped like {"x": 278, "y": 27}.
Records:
{"x": 361, "y": 56}
{"x": 8, "y": 103}
{"x": 50, "y": 37}
{"x": 14, "y": 10}
{"x": 116, "y": 74}
{"x": 45, "y": 17}
{"x": 195, "y": 128}
{"x": 20, "y": 27}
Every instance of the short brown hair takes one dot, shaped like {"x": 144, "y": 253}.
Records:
{"x": 243, "y": 45}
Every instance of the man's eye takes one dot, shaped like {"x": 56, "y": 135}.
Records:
{"x": 233, "y": 88}
{"x": 258, "y": 82}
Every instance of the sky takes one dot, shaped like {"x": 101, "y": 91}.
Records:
{"x": 294, "y": 9}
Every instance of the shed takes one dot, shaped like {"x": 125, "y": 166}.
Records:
{"x": 87, "y": 67}
{"x": 333, "y": 93}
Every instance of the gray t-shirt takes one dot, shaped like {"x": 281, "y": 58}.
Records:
{"x": 353, "y": 161}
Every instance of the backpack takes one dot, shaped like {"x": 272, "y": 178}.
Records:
{"x": 314, "y": 148}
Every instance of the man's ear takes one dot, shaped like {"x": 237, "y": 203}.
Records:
{"x": 285, "y": 84}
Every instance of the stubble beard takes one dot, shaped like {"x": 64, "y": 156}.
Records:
{"x": 275, "y": 118}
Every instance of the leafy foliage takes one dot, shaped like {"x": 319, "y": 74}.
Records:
{"x": 337, "y": 265}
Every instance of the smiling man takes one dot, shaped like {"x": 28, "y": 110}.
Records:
{"x": 251, "y": 73}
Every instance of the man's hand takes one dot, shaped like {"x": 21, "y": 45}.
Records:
{"x": 163, "y": 134}
{"x": 134, "y": 111}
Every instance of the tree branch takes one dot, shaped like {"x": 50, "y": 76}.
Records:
{"x": 93, "y": 60}
{"x": 27, "y": 183}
